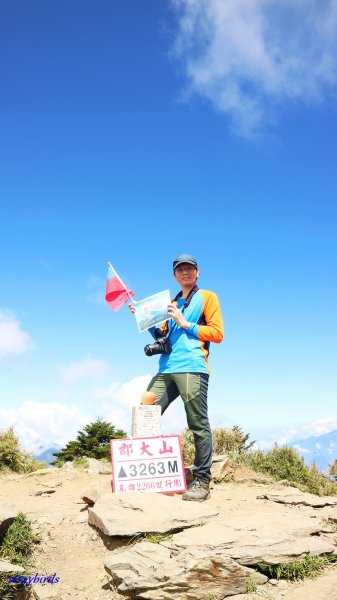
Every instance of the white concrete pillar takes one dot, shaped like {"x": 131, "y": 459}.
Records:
{"x": 146, "y": 421}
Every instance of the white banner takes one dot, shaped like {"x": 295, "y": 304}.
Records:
{"x": 152, "y": 310}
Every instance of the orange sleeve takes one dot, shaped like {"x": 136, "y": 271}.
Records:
{"x": 214, "y": 330}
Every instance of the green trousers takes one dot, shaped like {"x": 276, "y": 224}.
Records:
{"x": 192, "y": 387}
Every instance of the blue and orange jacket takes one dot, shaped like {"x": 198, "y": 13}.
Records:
{"x": 190, "y": 347}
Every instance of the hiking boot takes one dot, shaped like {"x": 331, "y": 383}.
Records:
{"x": 198, "y": 491}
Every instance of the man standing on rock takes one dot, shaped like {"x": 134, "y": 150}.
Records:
{"x": 183, "y": 366}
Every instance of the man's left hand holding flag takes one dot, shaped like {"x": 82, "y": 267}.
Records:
{"x": 117, "y": 293}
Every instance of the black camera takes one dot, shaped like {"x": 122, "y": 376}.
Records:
{"x": 161, "y": 346}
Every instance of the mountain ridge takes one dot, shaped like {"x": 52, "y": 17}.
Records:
{"x": 318, "y": 449}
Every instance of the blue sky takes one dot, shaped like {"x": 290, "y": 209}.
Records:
{"x": 134, "y": 131}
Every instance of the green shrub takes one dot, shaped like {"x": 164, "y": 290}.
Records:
{"x": 333, "y": 469}
{"x": 187, "y": 446}
{"x": 229, "y": 441}
{"x": 93, "y": 442}
{"x": 251, "y": 585}
{"x": 13, "y": 458}
{"x": 310, "y": 567}
{"x": 16, "y": 546}
{"x": 285, "y": 464}
{"x": 225, "y": 441}
{"x": 281, "y": 463}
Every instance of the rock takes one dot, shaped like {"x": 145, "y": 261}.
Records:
{"x": 91, "y": 494}
{"x": 39, "y": 472}
{"x": 7, "y": 516}
{"x": 213, "y": 535}
{"x": 188, "y": 475}
{"x": 282, "y": 584}
{"x": 247, "y": 529}
{"x": 47, "y": 491}
{"x": 220, "y": 468}
{"x": 251, "y": 479}
{"x": 7, "y": 567}
{"x": 44, "y": 592}
{"x": 150, "y": 572}
{"x": 251, "y": 539}
{"x": 68, "y": 465}
{"x": 297, "y": 498}
{"x": 97, "y": 466}
{"x": 51, "y": 483}
{"x": 322, "y": 588}
{"x": 129, "y": 514}
{"x": 281, "y": 552}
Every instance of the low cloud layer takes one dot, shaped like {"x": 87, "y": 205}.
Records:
{"x": 13, "y": 339}
{"x": 251, "y": 59}
{"x": 319, "y": 427}
{"x": 298, "y": 432}
{"x": 44, "y": 425}
{"x": 41, "y": 425}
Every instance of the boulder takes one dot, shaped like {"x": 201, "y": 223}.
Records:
{"x": 91, "y": 493}
{"x": 220, "y": 468}
{"x": 257, "y": 528}
{"x": 7, "y": 567}
{"x": 97, "y": 466}
{"x": 256, "y": 538}
{"x": 130, "y": 514}
{"x": 297, "y": 497}
{"x": 282, "y": 552}
{"x": 150, "y": 572}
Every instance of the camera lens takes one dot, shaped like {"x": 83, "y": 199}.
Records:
{"x": 148, "y": 350}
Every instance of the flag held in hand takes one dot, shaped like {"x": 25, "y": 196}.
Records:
{"x": 117, "y": 293}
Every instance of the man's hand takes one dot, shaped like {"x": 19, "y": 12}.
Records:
{"x": 175, "y": 313}
{"x": 132, "y": 308}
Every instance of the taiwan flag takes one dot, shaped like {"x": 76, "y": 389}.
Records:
{"x": 117, "y": 293}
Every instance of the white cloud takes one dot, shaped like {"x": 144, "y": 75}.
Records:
{"x": 115, "y": 404}
{"x": 300, "y": 431}
{"x": 88, "y": 368}
{"x": 248, "y": 58}
{"x": 42, "y": 425}
{"x": 305, "y": 430}
{"x": 301, "y": 450}
{"x": 320, "y": 427}
{"x": 13, "y": 339}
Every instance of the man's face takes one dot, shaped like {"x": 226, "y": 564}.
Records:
{"x": 186, "y": 274}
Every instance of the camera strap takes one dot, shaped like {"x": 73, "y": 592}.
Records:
{"x": 188, "y": 297}
{"x": 183, "y": 308}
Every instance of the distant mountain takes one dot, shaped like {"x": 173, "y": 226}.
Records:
{"x": 321, "y": 449}
{"x": 47, "y": 455}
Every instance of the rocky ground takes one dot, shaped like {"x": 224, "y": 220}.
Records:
{"x": 210, "y": 552}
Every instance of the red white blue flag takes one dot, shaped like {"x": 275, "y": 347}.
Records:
{"x": 117, "y": 293}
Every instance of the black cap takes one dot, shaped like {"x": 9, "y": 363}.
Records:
{"x": 184, "y": 258}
